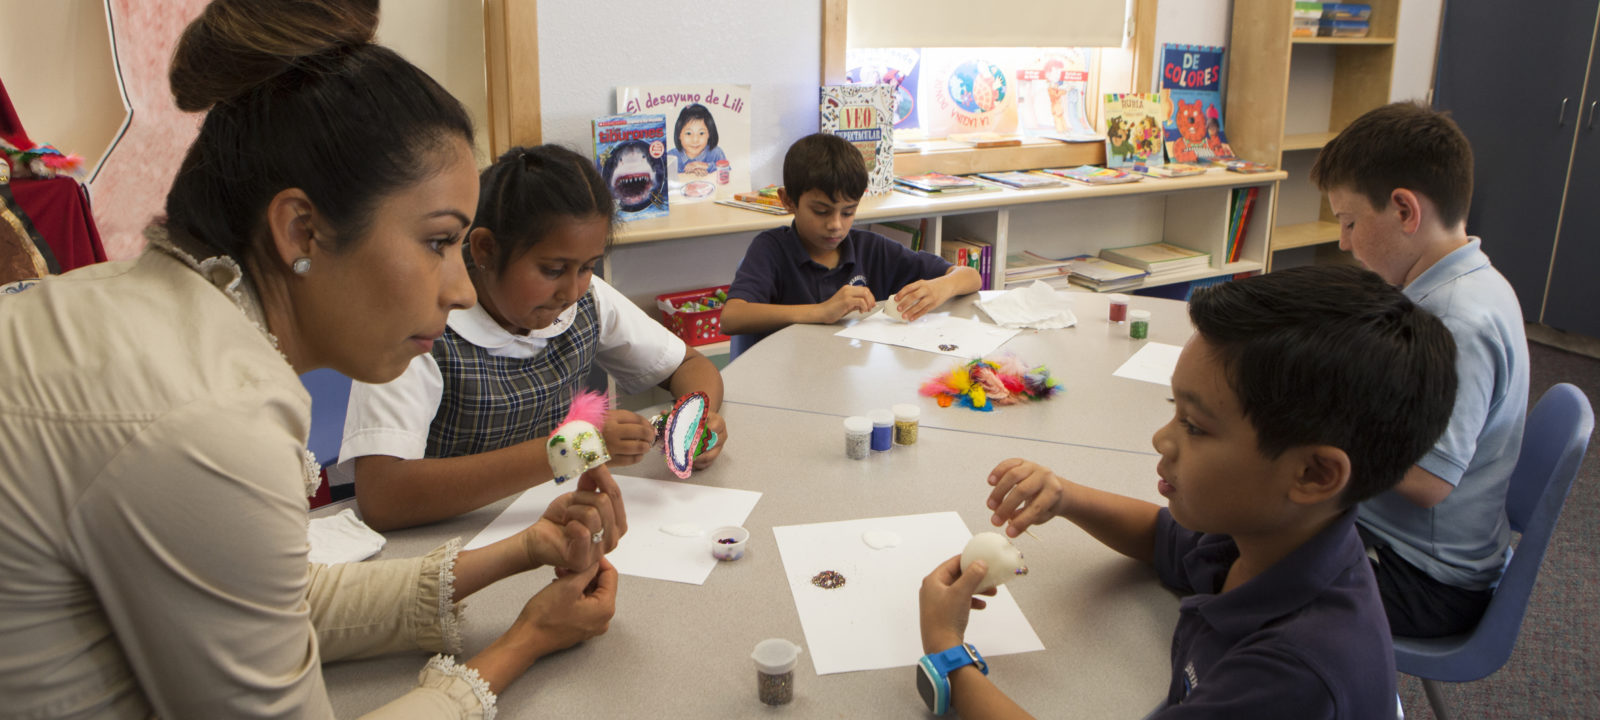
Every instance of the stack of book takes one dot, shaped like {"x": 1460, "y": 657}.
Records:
{"x": 764, "y": 200}
{"x": 972, "y": 253}
{"x": 1025, "y": 267}
{"x": 1021, "y": 179}
{"x": 936, "y": 185}
{"x": 1161, "y": 260}
{"x": 1093, "y": 175}
{"x": 1102, "y": 275}
{"x": 1331, "y": 19}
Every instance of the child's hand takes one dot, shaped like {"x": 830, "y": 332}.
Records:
{"x": 628, "y": 436}
{"x": 946, "y": 600}
{"x": 697, "y": 168}
{"x": 574, "y": 607}
{"x": 714, "y": 423}
{"x": 1025, "y": 493}
{"x": 850, "y": 298}
{"x": 921, "y": 297}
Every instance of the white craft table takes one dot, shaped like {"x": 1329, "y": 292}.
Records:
{"x": 677, "y": 650}
{"x": 808, "y": 369}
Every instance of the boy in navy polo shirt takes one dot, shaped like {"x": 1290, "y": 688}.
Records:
{"x": 1301, "y": 394}
{"x": 818, "y": 269}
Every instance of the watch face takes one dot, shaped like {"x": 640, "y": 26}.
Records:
{"x": 925, "y": 688}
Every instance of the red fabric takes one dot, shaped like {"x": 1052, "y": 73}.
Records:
{"x": 10, "y": 124}
{"x": 59, "y": 209}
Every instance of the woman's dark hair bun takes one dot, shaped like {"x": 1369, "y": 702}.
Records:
{"x": 236, "y": 45}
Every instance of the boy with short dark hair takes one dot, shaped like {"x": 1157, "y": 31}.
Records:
{"x": 1399, "y": 180}
{"x": 1301, "y": 394}
{"x": 817, "y": 269}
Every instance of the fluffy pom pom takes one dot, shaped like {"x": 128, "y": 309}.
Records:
{"x": 590, "y": 407}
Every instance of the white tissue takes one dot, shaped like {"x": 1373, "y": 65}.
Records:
{"x": 342, "y": 538}
{"x": 1037, "y": 306}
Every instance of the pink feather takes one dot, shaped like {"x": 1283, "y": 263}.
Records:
{"x": 590, "y": 407}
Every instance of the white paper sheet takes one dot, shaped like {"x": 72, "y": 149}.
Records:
{"x": 967, "y": 338}
{"x": 872, "y": 621}
{"x": 646, "y": 551}
{"x": 1153, "y": 363}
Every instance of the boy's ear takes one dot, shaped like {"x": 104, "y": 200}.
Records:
{"x": 1323, "y": 474}
{"x": 481, "y": 243}
{"x": 788, "y": 202}
{"x": 1408, "y": 207}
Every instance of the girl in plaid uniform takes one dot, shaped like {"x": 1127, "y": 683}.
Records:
{"x": 466, "y": 424}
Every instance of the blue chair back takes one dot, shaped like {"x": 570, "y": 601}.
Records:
{"x": 1554, "y": 441}
{"x": 330, "y": 396}
{"x": 737, "y": 344}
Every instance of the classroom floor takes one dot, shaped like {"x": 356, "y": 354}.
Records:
{"x": 1554, "y": 672}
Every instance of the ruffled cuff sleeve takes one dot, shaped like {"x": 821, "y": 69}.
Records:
{"x": 372, "y": 608}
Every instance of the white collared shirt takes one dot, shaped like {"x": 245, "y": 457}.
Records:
{"x": 393, "y": 419}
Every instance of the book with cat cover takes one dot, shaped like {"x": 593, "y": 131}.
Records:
{"x": 864, "y": 115}
{"x": 1191, "y": 75}
{"x": 630, "y": 151}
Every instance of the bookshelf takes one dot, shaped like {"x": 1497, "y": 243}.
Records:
{"x": 1288, "y": 96}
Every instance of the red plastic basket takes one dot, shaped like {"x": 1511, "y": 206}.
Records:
{"x": 696, "y": 328}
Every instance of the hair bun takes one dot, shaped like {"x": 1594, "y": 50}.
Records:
{"x": 236, "y": 45}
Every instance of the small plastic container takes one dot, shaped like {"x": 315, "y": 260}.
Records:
{"x": 1119, "y": 308}
{"x": 906, "y": 417}
{"x": 723, "y": 171}
{"x": 775, "y": 659}
{"x": 882, "y": 429}
{"x": 727, "y": 543}
{"x": 1139, "y": 324}
{"x": 857, "y": 437}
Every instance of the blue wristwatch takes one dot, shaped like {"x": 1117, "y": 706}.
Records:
{"x": 933, "y": 674}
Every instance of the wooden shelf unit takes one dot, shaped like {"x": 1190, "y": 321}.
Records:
{"x": 1261, "y": 81}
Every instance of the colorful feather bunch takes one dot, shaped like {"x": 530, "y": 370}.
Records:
{"x": 42, "y": 161}
{"x": 984, "y": 384}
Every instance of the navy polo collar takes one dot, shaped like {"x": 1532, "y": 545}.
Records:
{"x": 795, "y": 250}
{"x": 1285, "y": 587}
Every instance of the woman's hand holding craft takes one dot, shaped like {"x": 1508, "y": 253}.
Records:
{"x": 714, "y": 424}
{"x": 628, "y": 436}
{"x": 850, "y": 298}
{"x": 947, "y": 600}
{"x": 1025, "y": 494}
{"x": 574, "y": 607}
{"x": 565, "y": 536}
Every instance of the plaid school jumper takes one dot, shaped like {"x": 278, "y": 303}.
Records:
{"x": 493, "y": 402}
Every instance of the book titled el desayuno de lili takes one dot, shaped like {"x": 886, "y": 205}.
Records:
{"x": 864, "y": 115}
{"x": 630, "y": 153}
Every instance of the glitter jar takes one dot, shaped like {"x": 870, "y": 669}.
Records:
{"x": 857, "y": 437}
{"x": 775, "y": 659}
{"x": 1139, "y": 328}
{"x": 882, "y": 429}
{"x": 1119, "y": 308}
{"x": 905, "y": 423}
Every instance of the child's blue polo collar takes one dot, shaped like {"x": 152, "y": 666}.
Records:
{"x": 1463, "y": 260}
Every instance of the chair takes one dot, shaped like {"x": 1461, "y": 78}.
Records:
{"x": 1553, "y": 443}
{"x": 737, "y": 344}
{"x": 330, "y": 396}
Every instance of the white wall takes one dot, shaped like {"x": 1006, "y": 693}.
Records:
{"x": 445, "y": 39}
{"x": 56, "y": 64}
{"x": 1415, "y": 47}
{"x": 775, "y": 48}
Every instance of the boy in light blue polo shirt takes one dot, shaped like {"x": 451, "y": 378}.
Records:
{"x": 1399, "y": 180}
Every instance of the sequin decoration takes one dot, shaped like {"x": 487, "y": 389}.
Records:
{"x": 827, "y": 580}
{"x": 947, "y": 347}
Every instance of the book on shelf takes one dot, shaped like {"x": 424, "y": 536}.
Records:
{"x": 985, "y": 139}
{"x": 1052, "y": 87}
{"x": 909, "y": 234}
{"x": 1191, "y": 77}
{"x": 970, "y": 252}
{"x": 1171, "y": 170}
{"x": 1095, "y": 175}
{"x": 1157, "y": 258}
{"x": 1134, "y": 132}
{"x": 938, "y": 182}
{"x": 757, "y": 207}
{"x": 1343, "y": 28}
{"x": 1245, "y": 200}
{"x": 1246, "y": 166}
{"x": 1029, "y": 265}
{"x": 630, "y": 153}
{"x": 1102, "y": 275}
{"x": 708, "y": 135}
{"x": 1346, "y": 11}
{"x": 864, "y": 115}
{"x": 1021, "y": 179}
{"x": 765, "y": 196}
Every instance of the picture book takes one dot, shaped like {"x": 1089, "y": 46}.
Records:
{"x": 1053, "y": 93}
{"x": 757, "y": 207}
{"x": 1021, "y": 179}
{"x": 1102, "y": 275}
{"x": 864, "y": 115}
{"x": 1191, "y": 76}
{"x": 937, "y": 182}
{"x": 1133, "y": 129}
{"x": 896, "y": 67}
{"x": 1094, "y": 175}
{"x": 967, "y": 90}
{"x": 708, "y": 138}
{"x": 1156, "y": 257}
{"x": 1029, "y": 265}
{"x": 976, "y": 187}
{"x": 630, "y": 151}
{"x": 1171, "y": 170}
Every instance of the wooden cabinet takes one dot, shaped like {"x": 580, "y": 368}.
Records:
{"x": 1514, "y": 81}
{"x": 1288, "y": 96}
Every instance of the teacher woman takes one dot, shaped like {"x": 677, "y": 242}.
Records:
{"x": 153, "y": 471}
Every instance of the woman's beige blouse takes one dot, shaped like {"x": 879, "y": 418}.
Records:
{"x": 153, "y": 515}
